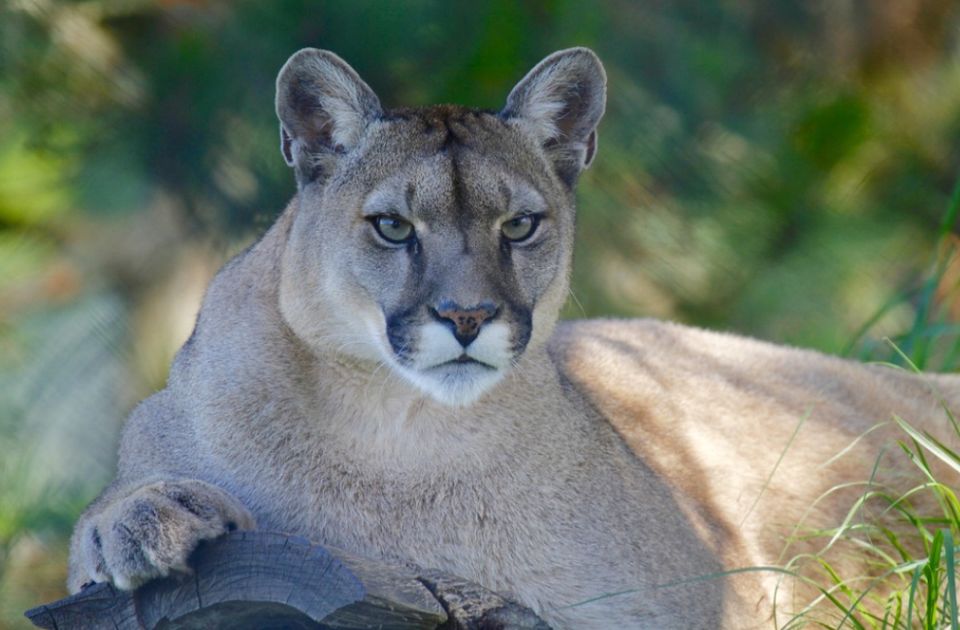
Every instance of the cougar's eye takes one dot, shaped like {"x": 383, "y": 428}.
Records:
{"x": 392, "y": 228}
{"x": 520, "y": 228}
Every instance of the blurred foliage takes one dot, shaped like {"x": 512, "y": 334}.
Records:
{"x": 778, "y": 168}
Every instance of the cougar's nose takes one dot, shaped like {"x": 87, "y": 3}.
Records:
{"x": 465, "y": 322}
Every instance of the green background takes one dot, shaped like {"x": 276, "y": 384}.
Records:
{"x": 779, "y": 168}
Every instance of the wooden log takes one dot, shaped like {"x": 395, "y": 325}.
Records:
{"x": 266, "y": 580}
{"x": 472, "y": 607}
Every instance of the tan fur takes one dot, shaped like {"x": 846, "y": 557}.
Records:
{"x": 619, "y": 460}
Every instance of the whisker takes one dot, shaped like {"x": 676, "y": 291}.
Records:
{"x": 516, "y": 368}
{"x": 339, "y": 349}
{"x": 373, "y": 374}
{"x": 389, "y": 375}
{"x": 583, "y": 311}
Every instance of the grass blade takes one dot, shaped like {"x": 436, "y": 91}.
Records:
{"x": 951, "y": 578}
{"x": 932, "y": 445}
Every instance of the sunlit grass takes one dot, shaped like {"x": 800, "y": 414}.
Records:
{"x": 909, "y": 553}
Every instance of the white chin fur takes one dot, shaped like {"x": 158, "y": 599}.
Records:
{"x": 458, "y": 384}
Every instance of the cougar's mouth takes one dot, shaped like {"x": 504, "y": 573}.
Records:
{"x": 461, "y": 364}
{"x": 466, "y": 359}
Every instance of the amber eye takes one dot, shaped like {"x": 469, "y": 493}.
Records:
{"x": 520, "y": 228}
{"x": 392, "y": 228}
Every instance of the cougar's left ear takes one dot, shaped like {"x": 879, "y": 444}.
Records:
{"x": 562, "y": 100}
{"x": 324, "y": 107}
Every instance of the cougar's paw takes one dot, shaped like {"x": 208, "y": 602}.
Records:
{"x": 152, "y": 531}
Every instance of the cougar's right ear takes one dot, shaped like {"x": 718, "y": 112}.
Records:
{"x": 324, "y": 107}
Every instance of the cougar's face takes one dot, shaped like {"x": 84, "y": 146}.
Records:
{"x": 446, "y": 264}
{"x": 436, "y": 241}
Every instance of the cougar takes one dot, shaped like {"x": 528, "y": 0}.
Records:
{"x": 384, "y": 372}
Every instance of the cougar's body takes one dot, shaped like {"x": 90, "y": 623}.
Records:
{"x": 382, "y": 372}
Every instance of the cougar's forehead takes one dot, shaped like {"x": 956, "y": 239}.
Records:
{"x": 447, "y": 190}
{"x": 409, "y": 136}
{"x": 450, "y": 162}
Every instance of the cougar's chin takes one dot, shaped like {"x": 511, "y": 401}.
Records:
{"x": 455, "y": 383}
{"x": 454, "y": 375}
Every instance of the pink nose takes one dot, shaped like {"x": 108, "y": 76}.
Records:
{"x": 466, "y": 321}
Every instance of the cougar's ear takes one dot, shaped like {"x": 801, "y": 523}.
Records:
{"x": 324, "y": 107}
{"x": 562, "y": 100}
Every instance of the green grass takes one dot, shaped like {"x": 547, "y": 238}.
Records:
{"x": 910, "y": 551}
{"x": 933, "y": 340}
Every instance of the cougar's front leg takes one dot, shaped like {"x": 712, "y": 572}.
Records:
{"x": 128, "y": 538}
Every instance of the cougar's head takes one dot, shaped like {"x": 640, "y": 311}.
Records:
{"x": 437, "y": 240}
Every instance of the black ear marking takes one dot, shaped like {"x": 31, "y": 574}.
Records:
{"x": 591, "y": 148}
{"x": 286, "y": 147}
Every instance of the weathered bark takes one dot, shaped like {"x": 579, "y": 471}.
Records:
{"x": 264, "y": 580}
{"x": 469, "y": 606}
